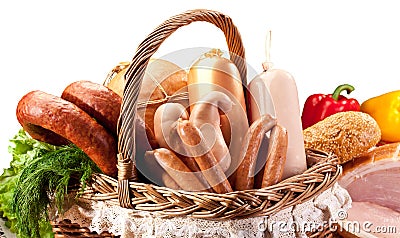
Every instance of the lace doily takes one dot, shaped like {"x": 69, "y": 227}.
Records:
{"x": 291, "y": 222}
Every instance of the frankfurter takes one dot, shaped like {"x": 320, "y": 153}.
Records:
{"x": 207, "y": 163}
{"x": 165, "y": 123}
{"x": 153, "y": 172}
{"x": 151, "y": 169}
{"x": 179, "y": 172}
{"x": 164, "y": 118}
{"x": 205, "y": 116}
{"x": 244, "y": 176}
{"x": 275, "y": 163}
{"x": 169, "y": 182}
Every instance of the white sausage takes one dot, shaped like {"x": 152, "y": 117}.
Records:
{"x": 165, "y": 117}
{"x": 283, "y": 90}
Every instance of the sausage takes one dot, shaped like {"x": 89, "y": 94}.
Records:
{"x": 97, "y": 100}
{"x": 169, "y": 182}
{"x": 179, "y": 172}
{"x": 244, "y": 176}
{"x": 46, "y": 116}
{"x": 275, "y": 163}
{"x": 165, "y": 116}
{"x": 212, "y": 72}
{"x": 205, "y": 116}
{"x": 283, "y": 91}
{"x": 212, "y": 171}
{"x": 165, "y": 122}
{"x": 154, "y": 173}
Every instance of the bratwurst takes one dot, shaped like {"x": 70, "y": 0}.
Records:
{"x": 56, "y": 121}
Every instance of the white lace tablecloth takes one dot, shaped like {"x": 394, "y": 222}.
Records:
{"x": 290, "y": 222}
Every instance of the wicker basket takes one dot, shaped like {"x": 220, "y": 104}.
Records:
{"x": 128, "y": 193}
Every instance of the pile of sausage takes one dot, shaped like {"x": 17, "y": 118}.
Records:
{"x": 206, "y": 142}
{"x": 86, "y": 115}
{"x": 202, "y": 142}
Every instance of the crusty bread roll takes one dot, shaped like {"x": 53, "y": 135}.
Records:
{"x": 116, "y": 78}
{"x": 173, "y": 81}
{"x": 346, "y": 134}
{"x": 159, "y": 72}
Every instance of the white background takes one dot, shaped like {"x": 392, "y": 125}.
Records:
{"x": 48, "y": 44}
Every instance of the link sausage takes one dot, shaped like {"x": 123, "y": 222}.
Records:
{"x": 179, "y": 172}
{"x": 209, "y": 166}
{"x": 277, "y": 150}
{"x": 244, "y": 176}
{"x": 205, "y": 116}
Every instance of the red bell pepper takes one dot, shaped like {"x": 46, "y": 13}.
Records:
{"x": 319, "y": 106}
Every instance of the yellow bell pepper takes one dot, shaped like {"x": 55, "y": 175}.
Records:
{"x": 385, "y": 109}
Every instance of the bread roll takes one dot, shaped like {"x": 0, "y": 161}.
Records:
{"x": 346, "y": 134}
{"x": 115, "y": 79}
{"x": 172, "y": 79}
{"x": 159, "y": 72}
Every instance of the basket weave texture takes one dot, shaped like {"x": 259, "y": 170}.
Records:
{"x": 128, "y": 193}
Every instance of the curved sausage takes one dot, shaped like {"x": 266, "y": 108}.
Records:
{"x": 52, "y": 119}
{"x": 179, "y": 172}
{"x": 277, "y": 150}
{"x": 164, "y": 118}
{"x": 169, "y": 182}
{"x": 244, "y": 176}
{"x": 97, "y": 100}
{"x": 165, "y": 123}
{"x": 205, "y": 116}
{"x": 209, "y": 166}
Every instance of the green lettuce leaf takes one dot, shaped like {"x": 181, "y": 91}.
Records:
{"x": 38, "y": 169}
{"x": 24, "y": 150}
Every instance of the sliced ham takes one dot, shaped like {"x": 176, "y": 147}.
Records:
{"x": 375, "y": 177}
{"x": 373, "y": 182}
{"x": 370, "y": 220}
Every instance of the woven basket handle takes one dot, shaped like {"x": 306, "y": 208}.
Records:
{"x": 134, "y": 77}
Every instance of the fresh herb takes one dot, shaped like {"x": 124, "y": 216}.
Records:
{"x": 38, "y": 173}
{"x": 24, "y": 150}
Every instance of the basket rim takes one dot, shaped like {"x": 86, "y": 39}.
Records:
{"x": 253, "y": 202}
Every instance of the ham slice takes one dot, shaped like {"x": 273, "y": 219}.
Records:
{"x": 375, "y": 177}
{"x": 370, "y": 220}
{"x": 373, "y": 181}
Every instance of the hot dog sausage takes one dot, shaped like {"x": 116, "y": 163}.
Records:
{"x": 244, "y": 176}
{"x": 164, "y": 118}
{"x": 181, "y": 174}
{"x": 209, "y": 166}
{"x": 169, "y": 182}
{"x": 40, "y": 113}
{"x": 205, "y": 116}
{"x": 165, "y": 122}
{"x": 277, "y": 149}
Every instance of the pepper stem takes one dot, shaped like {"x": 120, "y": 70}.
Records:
{"x": 340, "y": 89}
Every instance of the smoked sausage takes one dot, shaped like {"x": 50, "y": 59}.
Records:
{"x": 97, "y": 100}
{"x": 54, "y": 120}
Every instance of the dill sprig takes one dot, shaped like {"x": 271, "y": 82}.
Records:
{"x": 45, "y": 178}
